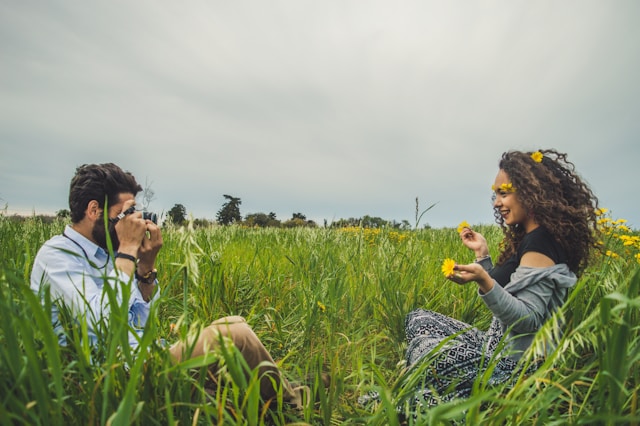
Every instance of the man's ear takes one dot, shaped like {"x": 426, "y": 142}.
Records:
{"x": 94, "y": 212}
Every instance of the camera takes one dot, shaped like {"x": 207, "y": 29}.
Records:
{"x": 153, "y": 217}
{"x": 150, "y": 216}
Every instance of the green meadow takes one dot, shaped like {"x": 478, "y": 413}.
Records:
{"x": 323, "y": 301}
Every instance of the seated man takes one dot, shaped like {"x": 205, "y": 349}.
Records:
{"x": 76, "y": 266}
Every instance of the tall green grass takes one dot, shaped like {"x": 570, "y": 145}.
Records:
{"x": 323, "y": 301}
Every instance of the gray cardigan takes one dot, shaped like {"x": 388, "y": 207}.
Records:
{"x": 527, "y": 301}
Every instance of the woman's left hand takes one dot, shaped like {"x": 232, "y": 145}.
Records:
{"x": 472, "y": 272}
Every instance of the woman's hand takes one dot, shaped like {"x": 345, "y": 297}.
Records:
{"x": 474, "y": 241}
{"x": 472, "y": 272}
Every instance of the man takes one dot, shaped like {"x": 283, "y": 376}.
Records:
{"x": 77, "y": 266}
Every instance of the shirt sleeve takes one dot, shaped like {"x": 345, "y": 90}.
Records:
{"x": 79, "y": 286}
{"x": 526, "y": 311}
{"x": 71, "y": 279}
{"x": 139, "y": 308}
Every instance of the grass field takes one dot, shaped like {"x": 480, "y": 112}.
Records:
{"x": 322, "y": 300}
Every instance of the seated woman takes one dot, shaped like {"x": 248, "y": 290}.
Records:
{"x": 548, "y": 216}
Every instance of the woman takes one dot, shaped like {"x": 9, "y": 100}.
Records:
{"x": 547, "y": 214}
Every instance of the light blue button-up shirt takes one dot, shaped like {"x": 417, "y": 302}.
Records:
{"x": 77, "y": 270}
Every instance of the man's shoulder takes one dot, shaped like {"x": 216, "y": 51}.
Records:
{"x": 56, "y": 242}
{"x": 58, "y": 245}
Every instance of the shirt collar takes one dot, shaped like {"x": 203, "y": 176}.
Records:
{"x": 91, "y": 248}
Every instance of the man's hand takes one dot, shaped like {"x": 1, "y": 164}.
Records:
{"x": 149, "y": 248}
{"x": 130, "y": 230}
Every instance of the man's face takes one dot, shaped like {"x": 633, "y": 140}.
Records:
{"x": 99, "y": 232}
{"x": 100, "y": 235}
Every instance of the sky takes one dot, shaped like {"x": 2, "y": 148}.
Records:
{"x": 333, "y": 109}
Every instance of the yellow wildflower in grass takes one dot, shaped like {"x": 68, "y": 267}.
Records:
{"x": 397, "y": 237}
{"x": 322, "y": 307}
{"x": 537, "y": 157}
{"x": 447, "y": 267}
{"x": 621, "y": 241}
{"x": 463, "y": 224}
{"x": 611, "y": 254}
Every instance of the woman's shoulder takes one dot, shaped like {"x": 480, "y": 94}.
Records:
{"x": 542, "y": 241}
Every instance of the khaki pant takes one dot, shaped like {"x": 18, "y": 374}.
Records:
{"x": 251, "y": 348}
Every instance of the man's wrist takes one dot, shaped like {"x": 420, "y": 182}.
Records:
{"x": 126, "y": 256}
{"x": 148, "y": 277}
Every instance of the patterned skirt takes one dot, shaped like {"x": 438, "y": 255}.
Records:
{"x": 458, "y": 354}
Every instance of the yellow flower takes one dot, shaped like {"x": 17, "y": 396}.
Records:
{"x": 321, "y": 306}
{"x": 447, "y": 267}
{"x": 505, "y": 187}
{"x": 601, "y": 211}
{"x": 537, "y": 156}
{"x": 463, "y": 224}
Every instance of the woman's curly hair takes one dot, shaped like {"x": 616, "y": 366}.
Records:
{"x": 558, "y": 199}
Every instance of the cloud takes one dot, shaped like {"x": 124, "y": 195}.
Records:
{"x": 332, "y": 109}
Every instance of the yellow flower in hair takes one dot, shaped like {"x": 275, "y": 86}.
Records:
{"x": 447, "y": 267}
{"x": 505, "y": 187}
{"x": 463, "y": 224}
{"x": 537, "y": 156}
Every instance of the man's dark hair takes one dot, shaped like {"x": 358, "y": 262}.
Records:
{"x": 98, "y": 182}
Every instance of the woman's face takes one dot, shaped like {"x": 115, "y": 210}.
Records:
{"x": 507, "y": 203}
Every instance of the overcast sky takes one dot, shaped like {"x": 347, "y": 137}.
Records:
{"x": 332, "y": 109}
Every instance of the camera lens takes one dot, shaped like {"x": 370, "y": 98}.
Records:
{"x": 150, "y": 216}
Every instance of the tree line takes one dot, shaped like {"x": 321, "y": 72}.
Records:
{"x": 229, "y": 214}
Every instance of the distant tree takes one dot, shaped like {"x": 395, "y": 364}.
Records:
{"x": 177, "y": 214}
{"x": 373, "y": 222}
{"x": 261, "y": 220}
{"x": 201, "y": 223}
{"x": 365, "y": 222}
{"x": 299, "y": 220}
{"x": 63, "y": 214}
{"x": 230, "y": 211}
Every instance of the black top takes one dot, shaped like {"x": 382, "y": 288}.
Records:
{"x": 538, "y": 240}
